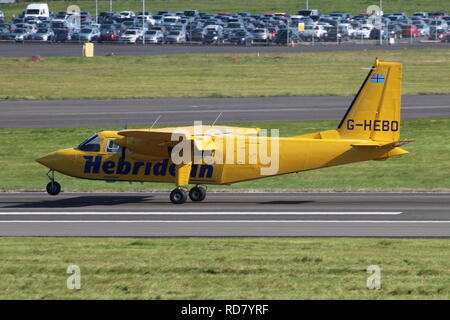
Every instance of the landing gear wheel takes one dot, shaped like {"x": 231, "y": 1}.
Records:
{"x": 53, "y": 188}
{"x": 197, "y": 194}
{"x": 178, "y": 196}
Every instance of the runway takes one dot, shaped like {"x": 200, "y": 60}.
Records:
{"x": 28, "y": 49}
{"x": 226, "y": 215}
{"x": 104, "y": 113}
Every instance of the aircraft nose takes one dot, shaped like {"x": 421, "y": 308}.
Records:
{"x": 48, "y": 160}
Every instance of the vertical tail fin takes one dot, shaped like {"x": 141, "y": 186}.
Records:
{"x": 375, "y": 111}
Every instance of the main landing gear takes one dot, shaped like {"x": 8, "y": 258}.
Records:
{"x": 53, "y": 187}
{"x": 180, "y": 195}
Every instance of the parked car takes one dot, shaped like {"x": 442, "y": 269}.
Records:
{"x": 19, "y": 35}
{"x": 214, "y": 37}
{"x": 87, "y": 35}
{"x": 130, "y": 36}
{"x": 283, "y": 37}
{"x": 316, "y": 31}
{"x": 109, "y": 34}
{"x": 43, "y": 34}
{"x": 410, "y": 31}
{"x": 176, "y": 36}
{"x": 241, "y": 37}
{"x": 395, "y": 31}
{"x": 127, "y": 14}
{"x": 445, "y": 37}
{"x": 4, "y": 33}
{"x": 363, "y": 32}
{"x": 375, "y": 34}
{"x": 261, "y": 35}
{"x": 437, "y": 34}
{"x": 153, "y": 36}
{"x": 196, "y": 35}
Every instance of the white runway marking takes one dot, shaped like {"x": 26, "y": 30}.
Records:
{"x": 213, "y": 213}
{"x": 231, "y": 221}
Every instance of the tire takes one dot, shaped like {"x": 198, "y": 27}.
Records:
{"x": 178, "y": 196}
{"x": 53, "y": 188}
{"x": 197, "y": 194}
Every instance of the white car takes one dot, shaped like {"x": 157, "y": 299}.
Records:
{"x": 127, "y": 14}
{"x": 130, "y": 36}
{"x": 148, "y": 19}
{"x": 318, "y": 31}
{"x": 362, "y": 32}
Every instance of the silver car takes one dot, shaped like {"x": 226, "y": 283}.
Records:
{"x": 130, "y": 36}
{"x": 88, "y": 34}
{"x": 153, "y": 36}
{"x": 261, "y": 35}
{"x": 19, "y": 35}
{"x": 43, "y": 34}
{"x": 175, "y": 37}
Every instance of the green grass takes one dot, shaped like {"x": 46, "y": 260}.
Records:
{"x": 326, "y": 73}
{"x": 35, "y": 268}
{"x": 425, "y": 168}
{"x": 254, "y": 6}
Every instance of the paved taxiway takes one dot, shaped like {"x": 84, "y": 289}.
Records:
{"x": 11, "y": 49}
{"x": 104, "y": 113}
{"x": 226, "y": 214}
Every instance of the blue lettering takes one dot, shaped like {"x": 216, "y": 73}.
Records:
{"x": 367, "y": 124}
{"x": 123, "y": 167}
{"x": 92, "y": 166}
{"x": 350, "y": 124}
{"x": 394, "y": 126}
{"x": 376, "y": 125}
{"x": 137, "y": 166}
{"x": 194, "y": 170}
{"x": 160, "y": 169}
{"x": 172, "y": 170}
{"x": 385, "y": 125}
{"x": 108, "y": 166}
{"x": 203, "y": 169}
{"x": 148, "y": 168}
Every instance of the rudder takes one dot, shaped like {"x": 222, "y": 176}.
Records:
{"x": 375, "y": 111}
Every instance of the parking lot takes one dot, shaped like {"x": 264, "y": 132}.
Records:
{"x": 192, "y": 27}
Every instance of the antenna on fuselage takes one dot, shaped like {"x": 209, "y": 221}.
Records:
{"x": 159, "y": 117}
{"x": 220, "y": 114}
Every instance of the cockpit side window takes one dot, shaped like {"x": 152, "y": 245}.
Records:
{"x": 92, "y": 144}
{"x": 111, "y": 147}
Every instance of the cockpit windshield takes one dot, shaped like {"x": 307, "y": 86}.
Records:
{"x": 92, "y": 144}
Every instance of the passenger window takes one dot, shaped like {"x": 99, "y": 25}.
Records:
{"x": 112, "y": 147}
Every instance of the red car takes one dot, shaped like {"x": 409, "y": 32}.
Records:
{"x": 410, "y": 31}
{"x": 445, "y": 37}
{"x": 272, "y": 32}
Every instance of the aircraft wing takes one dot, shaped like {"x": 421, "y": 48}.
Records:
{"x": 202, "y": 136}
{"x": 164, "y": 138}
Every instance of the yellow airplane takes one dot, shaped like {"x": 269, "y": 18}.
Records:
{"x": 202, "y": 155}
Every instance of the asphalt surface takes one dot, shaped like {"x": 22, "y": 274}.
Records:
{"x": 12, "y": 49}
{"x": 226, "y": 214}
{"x": 104, "y": 113}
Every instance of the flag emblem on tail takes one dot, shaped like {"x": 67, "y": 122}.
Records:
{"x": 377, "y": 78}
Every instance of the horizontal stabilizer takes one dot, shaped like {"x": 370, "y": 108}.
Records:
{"x": 381, "y": 144}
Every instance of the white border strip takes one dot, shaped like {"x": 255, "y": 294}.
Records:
{"x": 233, "y": 221}
{"x": 212, "y": 213}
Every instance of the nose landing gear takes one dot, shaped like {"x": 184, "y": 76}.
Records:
{"x": 53, "y": 187}
{"x": 179, "y": 195}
